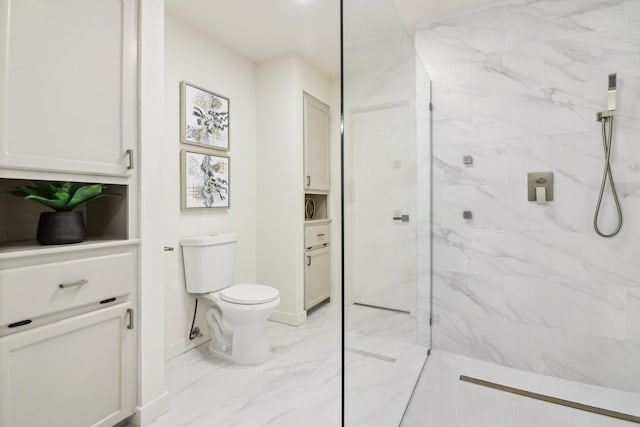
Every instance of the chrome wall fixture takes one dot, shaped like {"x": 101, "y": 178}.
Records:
{"x": 540, "y": 187}
{"x": 606, "y": 118}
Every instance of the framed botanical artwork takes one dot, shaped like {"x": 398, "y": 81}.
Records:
{"x": 204, "y": 180}
{"x": 204, "y": 117}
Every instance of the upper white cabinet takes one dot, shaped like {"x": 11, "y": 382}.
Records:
{"x": 316, "y": 144}
{"x": 68, "y": 85}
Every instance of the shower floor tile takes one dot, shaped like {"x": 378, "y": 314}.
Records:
{"x": 382, "y": 365}
{"x": 442, "y": 400}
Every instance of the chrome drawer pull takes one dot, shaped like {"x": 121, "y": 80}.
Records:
{"x": 130, "y": 158}
{"x": 321, "y": 234}
{"x": 72, "y": 284}
{"x": 130, "y": 314}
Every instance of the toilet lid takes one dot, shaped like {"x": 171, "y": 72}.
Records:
{"x": 249, "y": 294}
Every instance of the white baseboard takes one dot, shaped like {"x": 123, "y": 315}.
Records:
{"x": 148, "y": 413}
{"x": 294, "y": 319}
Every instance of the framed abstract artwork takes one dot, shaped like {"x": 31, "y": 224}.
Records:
{"x": 204, "y": 117}
{"x": 204, "y": 180}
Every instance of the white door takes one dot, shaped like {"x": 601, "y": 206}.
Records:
{"x": 384, "y": 188}
{"x": 76, "y": 372}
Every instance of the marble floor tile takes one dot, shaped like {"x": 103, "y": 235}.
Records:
{"x": 442, "y": 400}
{"x": 299, "y": 385}
{"x": 386, "y": 324}
{"x": 378, "y": 387}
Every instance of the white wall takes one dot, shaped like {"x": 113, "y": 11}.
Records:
{"x": 281, "y": 83}
{"x": 153, "y": 400}
{"x": 196, "y": 58}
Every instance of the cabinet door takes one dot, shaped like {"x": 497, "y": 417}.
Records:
{"x": 68, "y": 79}
{"x": 316, "y": 277}
{"x": 316, "y": 144}
{"x": 77, "y": 372}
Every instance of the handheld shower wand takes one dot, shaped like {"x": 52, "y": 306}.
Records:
{"x": 607, "y": 117}
{"x": 612, "y": 92}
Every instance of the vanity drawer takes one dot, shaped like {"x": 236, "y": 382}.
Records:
{"x": 316, "y": 236}
{"x": 38, "y": 290}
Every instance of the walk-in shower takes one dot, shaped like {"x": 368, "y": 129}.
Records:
{"x": 441, "y": 127}
{"x": 606, "y": 118}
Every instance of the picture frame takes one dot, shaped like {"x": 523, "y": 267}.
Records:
{"x": 204, "y": 117}
{"x": 204, "y": 180}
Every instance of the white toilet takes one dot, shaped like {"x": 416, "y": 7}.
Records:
{"x": 238, "y": 313}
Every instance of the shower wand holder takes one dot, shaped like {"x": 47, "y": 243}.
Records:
{"x": 603, "y": 115}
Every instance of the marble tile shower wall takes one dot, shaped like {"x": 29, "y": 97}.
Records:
{"x": 381, "y": 72}
{"x": 517, "y": 86}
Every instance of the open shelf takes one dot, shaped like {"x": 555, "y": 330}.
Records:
{"x": 105, "y": 217}
{"x": 316, "y": 204}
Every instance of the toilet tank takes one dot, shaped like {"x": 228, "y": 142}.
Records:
{"x": 209, "y": 262}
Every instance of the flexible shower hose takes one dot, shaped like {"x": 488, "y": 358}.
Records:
{"x": 606, "y": 143}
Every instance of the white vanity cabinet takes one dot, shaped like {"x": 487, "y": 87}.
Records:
{"x": 68, "y": 86}
{"x": 316, "y": 144}
{"x": 68, "y": 352}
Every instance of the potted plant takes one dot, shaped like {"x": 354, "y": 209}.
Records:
{"x": 64, "y": 225}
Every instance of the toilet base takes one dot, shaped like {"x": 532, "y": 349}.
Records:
{"x": 239, "y": 332}
{"x": 250, "y": 346}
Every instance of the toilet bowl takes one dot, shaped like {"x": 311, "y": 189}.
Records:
{"x": 237, "y": 317}
{"x": 238, "y": 313}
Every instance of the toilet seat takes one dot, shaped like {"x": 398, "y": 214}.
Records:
{"x": 249, "y": 294}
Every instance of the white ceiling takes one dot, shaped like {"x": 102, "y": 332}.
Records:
{"x": 265, "y": 29}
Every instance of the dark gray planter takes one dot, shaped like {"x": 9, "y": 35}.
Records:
{"x": 61, "y": 228}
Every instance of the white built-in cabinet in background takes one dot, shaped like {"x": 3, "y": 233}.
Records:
{"x": 317, "y": 272}
{"x": 316, "y": 144}
{"x": 68, "y": 112}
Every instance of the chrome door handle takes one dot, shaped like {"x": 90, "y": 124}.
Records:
{"x": 403, "y": 218}
{"x": 72, "y": 284}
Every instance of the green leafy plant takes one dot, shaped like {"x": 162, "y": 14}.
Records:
{"x": 60, "y": 196}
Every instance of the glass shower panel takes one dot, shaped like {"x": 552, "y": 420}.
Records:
{"x": 386, "y": 207}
